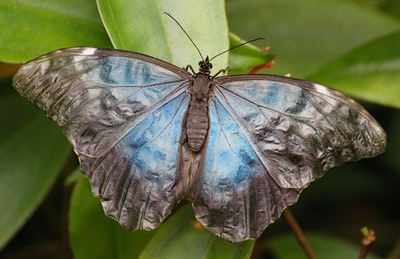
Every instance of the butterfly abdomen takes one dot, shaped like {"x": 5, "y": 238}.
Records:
{"x": 197, "y": 114}
{"x": 197, "y": 126}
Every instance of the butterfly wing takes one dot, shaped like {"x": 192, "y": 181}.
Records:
{"x": 269, "y": 138}
{"x": 123, "y": 113}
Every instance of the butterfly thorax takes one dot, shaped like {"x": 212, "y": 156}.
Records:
{"x": 197, "y": 113}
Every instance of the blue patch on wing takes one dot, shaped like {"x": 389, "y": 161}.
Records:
{"x": 96, "y": 96}
{"x": 235, "y": 194}
{"x": 137, "y": 179}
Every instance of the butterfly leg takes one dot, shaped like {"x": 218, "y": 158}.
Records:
{"x": 223, "y": 71}
{"x": 189, "y": 67}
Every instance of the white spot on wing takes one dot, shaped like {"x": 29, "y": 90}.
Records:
{"x": 88, "y": 51}
{"x": 322, "y": 89}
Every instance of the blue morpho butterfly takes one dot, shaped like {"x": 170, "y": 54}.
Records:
{"x": 241, "y": 148}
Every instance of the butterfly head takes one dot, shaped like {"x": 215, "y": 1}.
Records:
{"x": 205, "y": 66}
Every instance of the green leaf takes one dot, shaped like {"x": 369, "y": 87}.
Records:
{"x": 33, "y": 27}
{"x": 324, "y": 246}
{"x": 370, "y": 72}
{"x": 143, "y": 27}
{"x": 93, "y": 235}
{"x": 307, "y": 34}
{"x": 246, "y": 57}
{"x": 181, "y": 236}
{"x": 391, "y": 7}
{"x": 26, "y": 171}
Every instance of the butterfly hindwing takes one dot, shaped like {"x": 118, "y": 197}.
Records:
{"x": 137, "y": 179}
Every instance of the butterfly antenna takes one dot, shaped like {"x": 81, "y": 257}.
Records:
{"x": 237, "y": 46}
{"x": 194, "y": 44}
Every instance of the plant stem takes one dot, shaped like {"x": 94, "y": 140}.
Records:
{"x": 367, "y": 241}
{"x": 299, "y": 234}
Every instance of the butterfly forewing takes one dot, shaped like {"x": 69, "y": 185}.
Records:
{"x": 96, "y": 95}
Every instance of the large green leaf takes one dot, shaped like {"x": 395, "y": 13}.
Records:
{"x": 143, "y": 27}
{"x": 370, "y": 72}
{"x": 32, "y": 152}
{"x": 181, "y": 236}
{"x": 307, "y": 34}
{"x": 33, "y": 27}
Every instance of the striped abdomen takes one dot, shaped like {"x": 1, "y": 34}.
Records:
{"x": 197, "y": 114}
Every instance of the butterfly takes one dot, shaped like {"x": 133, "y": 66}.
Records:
{"x": 148, "y": 134}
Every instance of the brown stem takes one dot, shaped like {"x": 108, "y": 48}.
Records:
{"x": 298, "y": 233}
{"x": 367, "y": 241}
